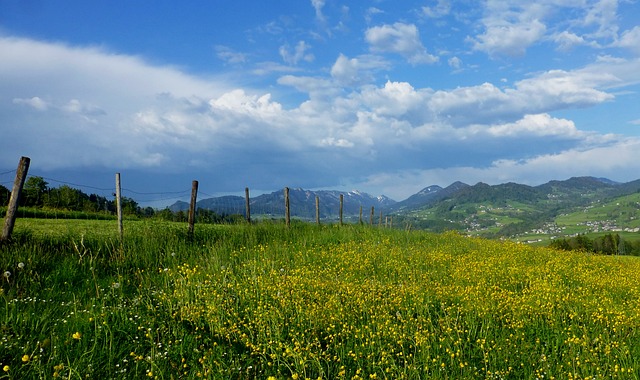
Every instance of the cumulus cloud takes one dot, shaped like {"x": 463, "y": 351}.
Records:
{"x": 356, "y": 71}
{"x": 121, "y": 111}
{"x": 510, "y": 28}
{"x": 509, "y": 38}
{"x": 399, "y": 38}
{"x": 538, "y": 125}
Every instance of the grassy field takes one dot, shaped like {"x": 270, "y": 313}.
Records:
{"x": 269, "y": 302}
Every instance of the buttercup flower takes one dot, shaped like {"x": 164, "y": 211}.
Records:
{"x": 76, "y": 335}
{"x": 25, "y": 358}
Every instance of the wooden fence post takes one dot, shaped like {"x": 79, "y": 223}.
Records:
{"x": 360, "y": 219}
{"x": 341, "y": 204}
{"x": 119, "y": 206}
{"x": 317, "y": 210}
{"x": 10, "y": 218}
{"x": 371, "y": 216}
{"x": 247, "y": 206}
{"x": 380, "y": 221}
{"x": 287, "y": 214}
{"x": 192, "y": 207}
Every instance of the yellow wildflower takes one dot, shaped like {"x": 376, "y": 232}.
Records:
{"x": 76, "y": 335}
{"x": 25, "y": 358}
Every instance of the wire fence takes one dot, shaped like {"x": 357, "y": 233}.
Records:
{"x": 262, "y": 206}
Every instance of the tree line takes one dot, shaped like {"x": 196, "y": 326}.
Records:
{"x": 36, "y": 193}
{"x": 609, "y": 244}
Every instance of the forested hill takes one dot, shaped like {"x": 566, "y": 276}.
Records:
{"x": 511, "y": 209}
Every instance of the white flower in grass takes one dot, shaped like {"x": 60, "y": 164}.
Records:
{"x": 21, "y": 265}
{"x": 7, "y": 274}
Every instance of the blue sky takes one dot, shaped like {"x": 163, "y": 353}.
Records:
{"x": 385, "y": 97}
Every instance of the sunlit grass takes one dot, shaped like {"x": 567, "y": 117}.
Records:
{"x": 310, "y": 301}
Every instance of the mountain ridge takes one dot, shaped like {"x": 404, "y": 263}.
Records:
{"x": 458, "y": 206}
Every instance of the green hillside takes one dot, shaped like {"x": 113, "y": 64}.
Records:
{"x": 332, "y": 302}
{"x": 534, "y": 214}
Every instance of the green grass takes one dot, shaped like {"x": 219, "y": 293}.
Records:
{"x": 265, "y": 301}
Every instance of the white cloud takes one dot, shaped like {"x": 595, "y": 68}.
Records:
{"x": 120, "y": 111}
{"x": 509, "y": 28}
{"x": 239, "y": 102}
{"x": 356, "y": 71}
{"x": 455, "y": 62}
{"x": 92, "y": 96}
{"x": 441, "y": 9}
{"x": 508, "y": 38}
{"x": 298, "y": 54}
{"x": 346, "y": 70}
{"x": 630, "y": 39}
{"x": 399, "y": 38}
{"x": 536, "y": 125}
{"x": 394, "y": 99}
{"x": 559, "y": 88}
{"x": 549, "y": 91}
{"x": 34, "y": 102}
{"x": 603, "y": 15}
{"x": 567, "y": 41}
{"x": 318, "y": 5}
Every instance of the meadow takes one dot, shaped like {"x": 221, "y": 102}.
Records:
{"x": 265, "y": 301}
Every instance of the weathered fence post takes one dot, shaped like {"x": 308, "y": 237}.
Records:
{"x": 247, "y": 206}
{"x": 192, "y": 207}
{"x": 317, "y": 210}
{"x": 360, "y": 219}
{"x": 10, "y": 218}
{"x": 287, "y": 214}
{"x": 341, "y": 204}
{"x": 119, "y": 206}
{"x": 380, "y": 221}
{"x": 371, "y": 216}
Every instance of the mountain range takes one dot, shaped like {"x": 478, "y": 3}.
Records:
{"x": 302, "y": 204}
{"x": 498, "y": 210}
